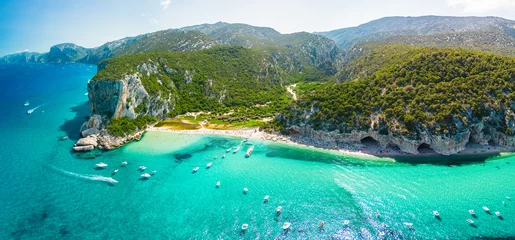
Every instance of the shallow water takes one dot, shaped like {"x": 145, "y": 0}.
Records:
{"x": 48, "y": 192}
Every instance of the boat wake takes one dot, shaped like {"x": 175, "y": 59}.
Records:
{"x": 32, "y": 110}
{"x": 99, "y": 178}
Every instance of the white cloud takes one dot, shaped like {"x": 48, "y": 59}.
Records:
{"x": 143, "y": 15}
{"x": 153, "y": 20}
{"x": 482, "y": 6}
{"x": 165, "y": 4}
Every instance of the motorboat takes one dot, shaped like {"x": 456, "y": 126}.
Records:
{"x": 278, "y": 209}
{"x": 244, "y": 226}
{"x": 195, "y": 169}
{"x": 378, "y": 213}
{"x": 472, "y": 212}
{"x": 217, "y": 184}
{"x": 145, "y": 175}
{"x": 236, "y": 150}
{"x": 408, "y": 224}
{"x": 249, "y": 151}
{"x": 115, "y": 171}
{"x": 125, "y": 163}
{"x": 321, "y": 224}
{"x": 286, "y": 225}
{"x": 142, "y": 167}
{"x": 470, "y": 221}
{"x": 245, "y": 190}
{"x": 223, "y": 155}
{"x": 214, "y": 157}
{"x": 209, "y": 165}
{"x": 507, "y": 197}
{"x": 154, "y": 172}
{"x": 486, "y": 209}
{"x": 381, "y": 233}
{"x": 228, "y": 150}
{"x": 346, "y": 222}
{"x": 436, "y": 213}
{"x": 101, "y": 165}
{"x": 26, "y": 103}
{"x": 266, "y": 198}
{"x": 498, "y": 214}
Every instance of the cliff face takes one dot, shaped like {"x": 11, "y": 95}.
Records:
{"x": 124, "y": 98}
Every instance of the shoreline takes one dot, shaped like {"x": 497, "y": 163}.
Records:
{"x": 354, "y": 150}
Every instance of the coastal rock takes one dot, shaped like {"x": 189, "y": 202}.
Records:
{"x": 90, "y": 131}
{"x": 91, "y": 140}
{"x": 126, "y": 97}
{"x": 83, "y": 148}
{"x": 440, "y": 144}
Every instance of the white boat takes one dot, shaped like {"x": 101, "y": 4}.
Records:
{"x": 217, "y": 184}
{"x": 228, "y": 150}
{"x": 223, "y": 155}
{"x": 145, "y": 175}
{"x": 209, "y": 165}
{"x": 436, "y": 213}
{"x": 85, "y": 94}
{"x": 214, "y": 157}
{"x": 378, "y": 214}
{"x": 321, "y": 224}
{"x": 249, "y": 151}
{"x": 154, "y": 172}
{"x": 498, "y": 214}
{"x": 408, "y": 224}
{"x": 508, "y": 197}
{"x": 472, "y": 212}
{"x": 236, "y": 150}
{"x": 249, "y": 143}
{"x": 286, "y": 225}
{"x": 470, "y": 221}
{"x": 244, "y": 226}
{"x": 246, "y": 139}
{"x": 195, "y": 169}
{"x": 26, "y": 103}
{"x": 125, "y": 163}
{"x": 486, "y": 209}
{"x": 278, "y": 209}
{"x": 115, "y": 171}
{"x": 101, "y": 165}
{"x": 245, "y": 190}
{"x": 346, "y": 222}
{"x": 266, "y": 198}
{"x": 381, "y": 233}
{"x": 142, "y": 167}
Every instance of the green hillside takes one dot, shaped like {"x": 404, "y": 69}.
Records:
{"x": 407, "y": 90}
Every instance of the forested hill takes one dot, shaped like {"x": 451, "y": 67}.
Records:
{"x": 420, "y": 95}
{"x": 217, "y": 80}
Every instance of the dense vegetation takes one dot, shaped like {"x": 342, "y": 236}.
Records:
{"x": 408, "y": 90}
{"x": 124, "y": 126}
{"x": 235, "y": 84}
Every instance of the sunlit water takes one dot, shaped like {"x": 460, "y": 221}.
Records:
{"x": 49, "y": 192}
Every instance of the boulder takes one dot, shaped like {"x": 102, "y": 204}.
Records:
{"x": 89, "y": 132}
{"x": 87, "y": 141}
{"x": 83, "y": 148}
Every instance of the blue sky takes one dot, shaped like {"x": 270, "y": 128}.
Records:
{"x": 36, "y": 25}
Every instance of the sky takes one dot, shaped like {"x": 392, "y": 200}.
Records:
{"x": 36, "y": 25}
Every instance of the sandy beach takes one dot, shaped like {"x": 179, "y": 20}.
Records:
{"x": 366, "y": 150}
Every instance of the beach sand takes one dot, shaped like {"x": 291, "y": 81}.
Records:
{"x": 363, "y": 150}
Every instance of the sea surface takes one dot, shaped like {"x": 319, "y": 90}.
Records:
{"x": 49, "y": 192}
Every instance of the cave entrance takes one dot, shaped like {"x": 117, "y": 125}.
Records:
{"x": 424, "y": 148}
{"x": 370, "y": 141}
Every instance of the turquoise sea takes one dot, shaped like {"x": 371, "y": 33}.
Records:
{"x": 49, "y": 192}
